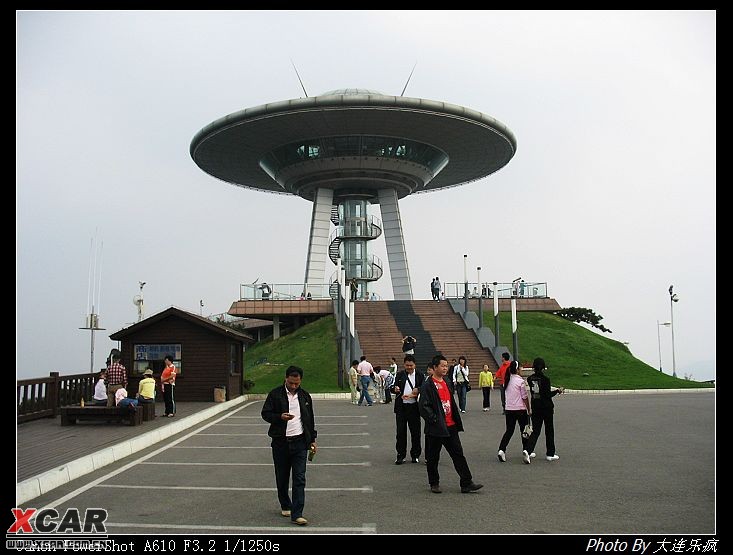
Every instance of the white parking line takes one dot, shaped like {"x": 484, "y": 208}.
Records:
{"x": 137, "y": 461}
{"x": 317, "y": 417}
{"x": 266, "y": 425}
{"x": 367, "y": 463}
{"x": 365, "y": 489}
{"x": 263, "y": 447}
{"x": 363, "y": 529}
{"x": 319, "y": 435}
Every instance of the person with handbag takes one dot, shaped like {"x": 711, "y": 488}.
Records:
{"x": 543, "y": 409}
{"x": 518, "y": 409}
{"x": 460, "y": 379}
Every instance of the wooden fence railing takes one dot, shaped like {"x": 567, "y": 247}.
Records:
{"x": 42, "y": 397}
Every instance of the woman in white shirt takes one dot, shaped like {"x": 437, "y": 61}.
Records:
{"x": 517, "y": 410}
{"x": 460, "y": 381}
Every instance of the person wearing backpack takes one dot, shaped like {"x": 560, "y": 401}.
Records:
{"x": 543, "y": 409}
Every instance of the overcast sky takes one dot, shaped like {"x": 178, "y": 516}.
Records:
{"x": 609, "y": 199}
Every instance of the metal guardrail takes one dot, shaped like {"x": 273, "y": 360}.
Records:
{"x": 43, "y": 397}
{"x": 487, "y": 290}
{"x": 282, "y": 291}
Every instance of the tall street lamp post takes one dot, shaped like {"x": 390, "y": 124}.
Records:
{"x": 480, "y": 299}
{"x": 465, "y": 283}
{"x": 673, "y": 298}
{"x": 659, "y": 341}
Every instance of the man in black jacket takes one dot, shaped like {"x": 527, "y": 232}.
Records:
{"x": 442, "y": 424}
{"x": 289, "y": 410}
{"x": 406, "y": 388}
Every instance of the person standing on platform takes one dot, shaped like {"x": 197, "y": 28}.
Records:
{"x": 168, "y": 382}
{"x": 116, "y": 376}
{"x": 289, "y": 410}
{"x": 406, "y": 388}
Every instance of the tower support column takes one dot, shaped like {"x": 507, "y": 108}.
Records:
{"x": 396, "y": 252}
{"x": 315, "y": 266}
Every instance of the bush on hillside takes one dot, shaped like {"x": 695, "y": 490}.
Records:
{"x": 584, "y": 315}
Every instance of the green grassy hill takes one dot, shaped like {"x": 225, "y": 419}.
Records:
{"x": 312, "y": 347}
{"x": 571, "y": 350}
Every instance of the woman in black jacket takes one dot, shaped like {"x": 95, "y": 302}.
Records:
{"x": 543, "y": 409}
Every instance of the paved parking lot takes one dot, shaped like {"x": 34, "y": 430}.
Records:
{"x": 630, "y": 463}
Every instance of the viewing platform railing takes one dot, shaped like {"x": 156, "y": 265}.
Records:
{"x": 282, "y": 291}
{"x": 42, "y": 397}
{"x": 487, "y": 290}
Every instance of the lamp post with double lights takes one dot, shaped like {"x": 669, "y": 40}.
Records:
{"x": 673, "y": 298}
{"x": 480, "y": 299}
{"x": 659, "y": 341}
{"x": 465, "y": 283}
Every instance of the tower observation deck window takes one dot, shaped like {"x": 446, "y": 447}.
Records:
{"x": 354, "y": 145}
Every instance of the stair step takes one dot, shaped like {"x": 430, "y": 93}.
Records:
{"x": 382, "y": 324}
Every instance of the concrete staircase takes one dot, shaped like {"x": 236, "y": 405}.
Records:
{"x": 382, "y": 325}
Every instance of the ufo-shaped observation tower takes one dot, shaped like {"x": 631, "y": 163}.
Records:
{"x": 347, "y": 149}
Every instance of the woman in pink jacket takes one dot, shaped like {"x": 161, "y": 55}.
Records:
{"x": 517, "y": 410}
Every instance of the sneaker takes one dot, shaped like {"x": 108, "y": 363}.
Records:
{"x": 300, "y": 521}
{"x": 399, "y": 460}
{"x": 436, "y": 489}
{"x": 526, "y": 457}
{"x": 486, "y": 410}
{"x": 553, "y": 457}
{"x": 532, "y": 455}
{"x": 463, "y": 411}
{"x": 471, "y": 487}
{"x": 285, "y": 512}
{"x": 501, "y": 456}
{"x": 415, "y": 460}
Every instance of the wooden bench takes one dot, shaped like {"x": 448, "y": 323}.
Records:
{"x": 69, "y": 415}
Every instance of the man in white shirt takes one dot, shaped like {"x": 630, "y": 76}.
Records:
{"x": 289, "y": 410}
{"x": 406, "y": 388}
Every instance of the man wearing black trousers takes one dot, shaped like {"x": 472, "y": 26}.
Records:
{"x": 289, "y": 410}
{"x": 406, "y": 388}
{"x": 442, "y": 424}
